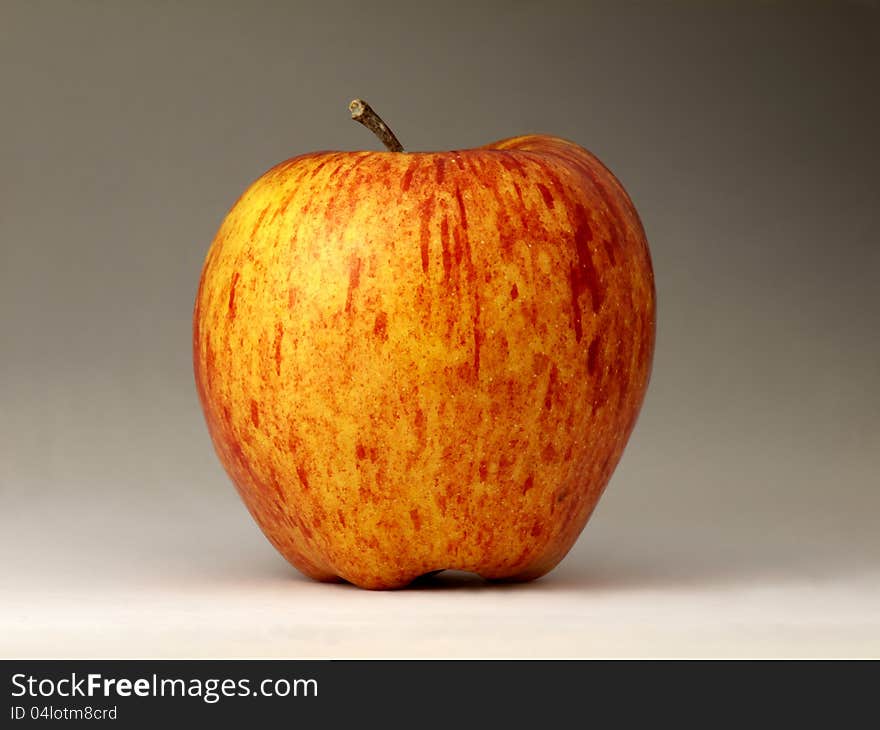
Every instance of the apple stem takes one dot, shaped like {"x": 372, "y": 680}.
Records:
{"x": 363, "y": 113}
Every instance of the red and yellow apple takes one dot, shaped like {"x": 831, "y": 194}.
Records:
{"x": 411, "y": 362}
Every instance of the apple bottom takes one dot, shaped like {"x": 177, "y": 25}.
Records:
{"x": 510, "y": 560}
{"x": 373, "y": 583}
{"x": 404, "y": 579}
{"x": 382, "y": 512}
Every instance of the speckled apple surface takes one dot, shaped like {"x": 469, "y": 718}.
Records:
{"x": 413, "y": 362}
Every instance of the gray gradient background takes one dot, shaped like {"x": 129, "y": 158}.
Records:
{"x": 743, "y": 518}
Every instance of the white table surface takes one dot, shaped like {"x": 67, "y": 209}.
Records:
{"x": 158, "y": 580}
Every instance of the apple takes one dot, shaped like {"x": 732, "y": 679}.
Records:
{"x": 411, "y": 362}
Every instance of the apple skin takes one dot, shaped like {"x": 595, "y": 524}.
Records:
{"x": 411, "y": 362}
